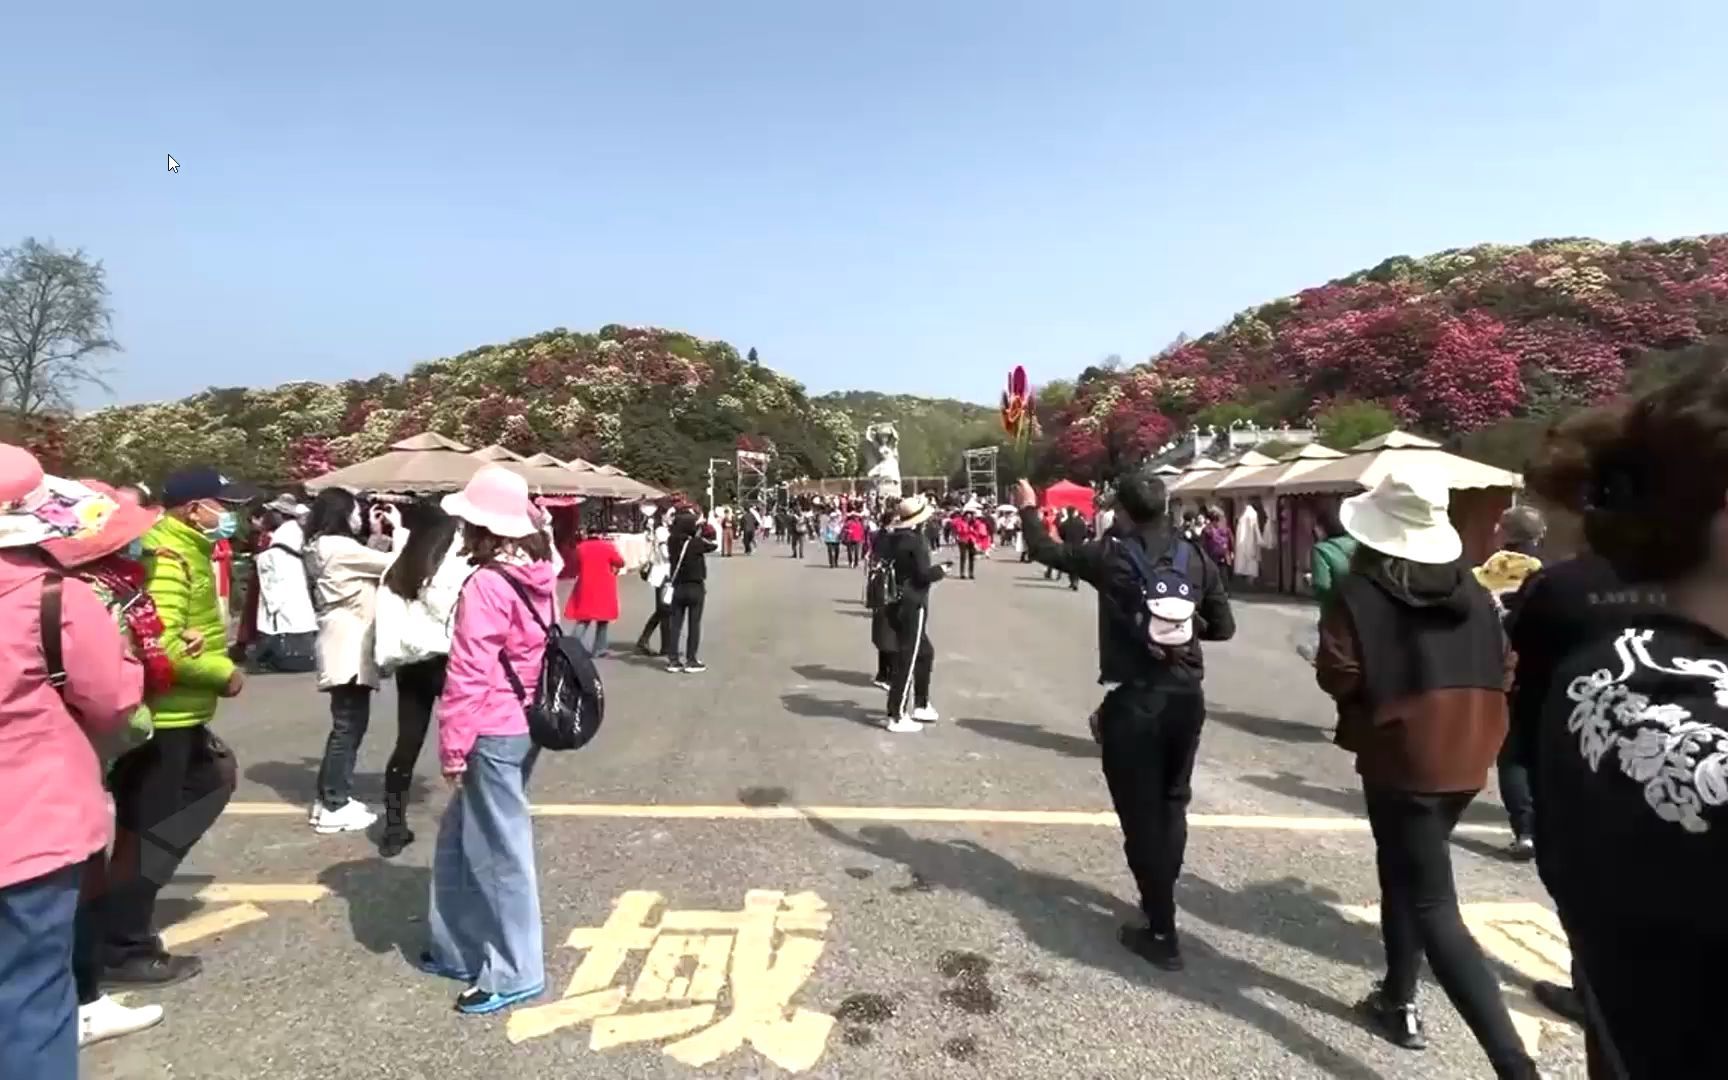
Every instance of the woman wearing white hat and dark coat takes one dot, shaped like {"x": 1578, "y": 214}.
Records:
{"x": 1412, "y": 651}
{"x": 908, "y": 553}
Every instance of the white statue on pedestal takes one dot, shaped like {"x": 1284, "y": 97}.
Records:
{"x": 884, "y": 440}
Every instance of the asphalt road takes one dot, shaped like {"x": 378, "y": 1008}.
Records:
{"x": 948, "y": 900}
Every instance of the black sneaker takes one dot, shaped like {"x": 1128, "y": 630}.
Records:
{"x": 1160, "y": 950}
{"x": 1398, "y": 1022}
{"x": 394, "y": 839}
{"x": 695, "y": 667}
{"x": 150, "y": 971}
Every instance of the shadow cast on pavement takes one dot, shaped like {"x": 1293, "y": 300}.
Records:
{"x": 1266, "y": 727}
{"x": 387, "y": 903}
{"x": 824, "y": 673}
{"x": 831, "y": 709}
{"x": 1075, "y": 746}
{"x": 1079, "y": 922}
{"x": 297, "y": 782}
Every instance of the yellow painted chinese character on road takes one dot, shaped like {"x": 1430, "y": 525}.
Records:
{"x": 692, "y": 956}
{"x": 1524, "y": 936}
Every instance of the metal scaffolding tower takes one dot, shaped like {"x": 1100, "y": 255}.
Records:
{"x": 981, "y": 472}
{"x": 753, "y": 487}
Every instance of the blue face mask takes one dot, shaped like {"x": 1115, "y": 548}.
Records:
{"x": 135, "y": 550}
{"x": 227, "y": 523}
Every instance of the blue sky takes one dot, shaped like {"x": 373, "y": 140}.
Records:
{"x": 899, "y": 196}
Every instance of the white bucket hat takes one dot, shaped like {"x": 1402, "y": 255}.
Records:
{"x": 495, "y": 499}
{"x": 1405, "y": 517}
{"x": 911, "y": 512}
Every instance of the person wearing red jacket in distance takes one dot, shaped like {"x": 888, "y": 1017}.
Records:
{"x": 971, "y": 535}
{"x": 50, "y": 712}
{"x": 594, "y": 601}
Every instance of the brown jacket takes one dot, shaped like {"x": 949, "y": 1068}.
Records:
{"x": 1442, "y": 740}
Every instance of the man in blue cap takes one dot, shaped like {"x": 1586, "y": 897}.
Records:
{"x": 168, "y": 792}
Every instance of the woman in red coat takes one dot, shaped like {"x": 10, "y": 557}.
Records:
{"x": 594, "y": 600}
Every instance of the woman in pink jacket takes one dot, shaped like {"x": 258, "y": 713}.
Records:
{"x": 484, "y": 921}
{"x": 50, "y": 710}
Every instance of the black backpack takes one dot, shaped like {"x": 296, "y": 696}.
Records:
{"x": 569, "y": 700}
{"x": 882, "y": 585}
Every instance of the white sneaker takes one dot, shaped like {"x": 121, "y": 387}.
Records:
{"x": 106, "y": 1018}
{"x": 926, "y": 714}
{"x": 904, "y": 727}
{"x": 353, "y": 817}
{"x": 881, "y": 684}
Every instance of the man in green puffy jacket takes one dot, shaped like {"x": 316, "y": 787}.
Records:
{"x": 168, "y": 792}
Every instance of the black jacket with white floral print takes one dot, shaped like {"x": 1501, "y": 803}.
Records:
{"x": 1632, "y": 834}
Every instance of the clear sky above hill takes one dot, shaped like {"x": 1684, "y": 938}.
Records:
{"x": 901, "y": 195}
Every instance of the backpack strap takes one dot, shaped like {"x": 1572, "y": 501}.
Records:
{"x": 516, "y": 686}
{"x": 1179, "y": 560}
{"x": 527, "y": 601}
{"x": 53, "y": 645}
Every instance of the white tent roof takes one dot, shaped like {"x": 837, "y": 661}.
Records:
{"x": 1308, "y": 458}
{"x": 1364, "y": 470}
{"x": 1396, "y": 440}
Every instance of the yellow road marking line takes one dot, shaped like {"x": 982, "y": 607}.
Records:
{"x": 933, "y": 815}
{"x": 233, "y": 893}
{"x": 208, "y": 923}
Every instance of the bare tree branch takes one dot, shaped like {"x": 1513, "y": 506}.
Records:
{"x": 54, "y": 327}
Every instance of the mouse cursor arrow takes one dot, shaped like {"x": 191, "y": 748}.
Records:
{"x": 173, "y": 166}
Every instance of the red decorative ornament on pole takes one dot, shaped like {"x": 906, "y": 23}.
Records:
{"x": 1017, "y": 417}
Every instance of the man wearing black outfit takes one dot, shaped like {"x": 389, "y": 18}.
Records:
{"x": 908, "y": 553}
{"x": 687, "y": 550}
{"x": 1149, "y": 723}
{"x": 1072, "y": 529}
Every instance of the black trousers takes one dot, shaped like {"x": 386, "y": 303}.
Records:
{"x": 167, "y": 794}
{"x": 1515, "y": 792}
{"x": 350, "y": 716}
{"x": 1150, "y": 736}
{"x": 87, "y": 930}
{"x": 913, "y": 664}
{"x": 884, "y": 666}
{"x": 686, "y": 610}
{"x": 655, "y": 622}
{"x": 797, "y": 546}
{"x": 851, "y": 553}
{"x": 1419, "y": 915}
{"x": 968, "y": 560}
{"x": 749, "y": 541}
{"x": 417, "y": 688}
{"x": 834, "y": 554}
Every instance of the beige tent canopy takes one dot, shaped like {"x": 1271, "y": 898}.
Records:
{"x": 544, "y": 458}
{"x": 1196, "y": 470}
{"x": 1249, "y": 465}
{"x": 431, "y": 463}
{"x": 1396, "y": 440}
{"x": 1267, "y": 480}
{"x": 1366, "y": 467}
{"x": 497, "y": 453}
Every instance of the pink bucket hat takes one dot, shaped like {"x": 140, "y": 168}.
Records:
{"x": 495, "y": 499}
{"x": 35, "y": 507}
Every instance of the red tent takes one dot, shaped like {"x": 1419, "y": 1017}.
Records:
{"x": 1067, "y": 493}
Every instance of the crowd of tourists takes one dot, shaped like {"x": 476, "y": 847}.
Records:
{"x": 1591, "y": 674}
